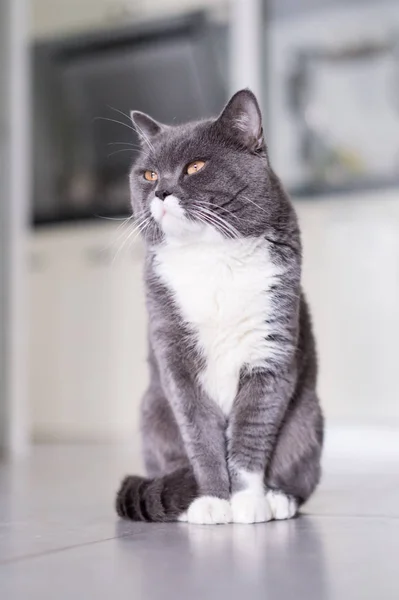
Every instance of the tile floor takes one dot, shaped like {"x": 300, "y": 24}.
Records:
{"x": 60, "y": 539}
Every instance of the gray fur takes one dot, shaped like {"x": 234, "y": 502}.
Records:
{"x": 275, "y": 424}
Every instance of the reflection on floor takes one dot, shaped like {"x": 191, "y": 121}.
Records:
{"x": 59, "y": 538}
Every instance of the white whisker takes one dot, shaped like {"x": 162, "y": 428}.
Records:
{"x": 226, "y": 210}
{"x": 120, "y": 112}
{"x": 219, "y": 224}
{"x": 141, "y": 133}
{"x": 139, "y": 232}
{"x": 123, "y": 150}
{"x": 206, "y": 221}
{"x": 255, "y": 204}
{"x": 129, "y": 235}
{"x": 122, "y": 228}
{"x": 113, "y": 121}
{"x": 114, "y": 218}
{"x": 138, "y": 228}
{"x": 233, "y": 231}
{"x": 133, "y": 126}
{"x": 124, "y": 143}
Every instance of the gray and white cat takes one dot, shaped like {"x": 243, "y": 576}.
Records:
{"x": 231, "y": 422}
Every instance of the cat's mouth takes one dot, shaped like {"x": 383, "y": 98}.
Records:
{"x": 169, "y": 207}
{"x": 171, "y": 217}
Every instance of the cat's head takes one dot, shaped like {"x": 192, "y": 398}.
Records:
{"x": 203, "y": 178}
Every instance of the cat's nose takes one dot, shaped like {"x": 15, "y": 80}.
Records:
{"x": 161, "y": 194}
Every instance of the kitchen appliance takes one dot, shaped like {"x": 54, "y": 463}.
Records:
{"x": 84, "y": 88}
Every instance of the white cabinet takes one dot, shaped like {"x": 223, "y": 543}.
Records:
{"x": 351, "y": 276}
{"x": 88, "y": 320}
{"x": 87, "y": 334}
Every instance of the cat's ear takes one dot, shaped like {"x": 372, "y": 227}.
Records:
{"x": 145, "y": 126}
{"x": 242, "y": 120}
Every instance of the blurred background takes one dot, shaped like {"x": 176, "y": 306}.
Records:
{"x": 72, "y": 315}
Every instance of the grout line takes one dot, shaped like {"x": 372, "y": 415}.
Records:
{"x": 32, "y": 555}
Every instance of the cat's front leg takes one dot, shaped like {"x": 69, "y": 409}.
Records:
{"x": 256, "y": 417}
{"x": 202, "y": 426}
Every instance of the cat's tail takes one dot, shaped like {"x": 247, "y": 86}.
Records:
{"x": 161, "y": 499}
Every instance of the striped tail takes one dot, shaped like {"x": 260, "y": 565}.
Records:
{"x": 161, "y": 499}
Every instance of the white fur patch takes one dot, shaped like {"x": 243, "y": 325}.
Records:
{"x": 250, "y": 505}
{"x": 222, "y": 287}
{"x": 282, "y": 506}
{"x": 171, "y": 217}
{"x": 209, "y": 510}
{"x": 252, "y": 482}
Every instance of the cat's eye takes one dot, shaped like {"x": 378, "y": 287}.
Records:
{"x": 150, "y": 176}
{"x": 194, "y": 167}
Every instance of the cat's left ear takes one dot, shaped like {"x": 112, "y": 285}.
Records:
{"x": 146, "y": 126}
{"x": 242, "y": 120}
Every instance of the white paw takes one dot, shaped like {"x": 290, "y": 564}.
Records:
{"x": 250, "y": 507}
{"x": 209, "y": 510}
{"x": 183, "y": 518}
{"x": 281, "y": 505}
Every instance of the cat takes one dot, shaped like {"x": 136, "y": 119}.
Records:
{"x": 231, "y": 422}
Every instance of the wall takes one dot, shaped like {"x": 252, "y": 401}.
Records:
{"x": 332, "y": 26}
{"x": 288, "y": 9}
{"x": 4, "y": 55}
{"x": 52, "y": 18}
{"x": 14, "y": 185}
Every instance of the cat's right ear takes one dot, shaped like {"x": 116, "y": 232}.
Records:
{"x": 241, "y": 120}
{"x": 145, "y": 126}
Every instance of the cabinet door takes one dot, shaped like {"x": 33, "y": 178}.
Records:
{"x": 91, "y": 371}
{"x": 351, "y": 276}
{"x": 44, "y": 289}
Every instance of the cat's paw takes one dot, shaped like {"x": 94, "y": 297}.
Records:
{"x": 250, "y": 507}
{"x": 183, "y": 518}
{"x": 281, "y": 505}
{"x": 209, "y": 510}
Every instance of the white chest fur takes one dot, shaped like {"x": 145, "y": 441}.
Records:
{"x": 222, "y": 287}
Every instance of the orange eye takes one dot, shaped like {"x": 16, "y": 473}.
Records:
{"x": 150, "y": 176}
{"x": 194, "y": 167}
